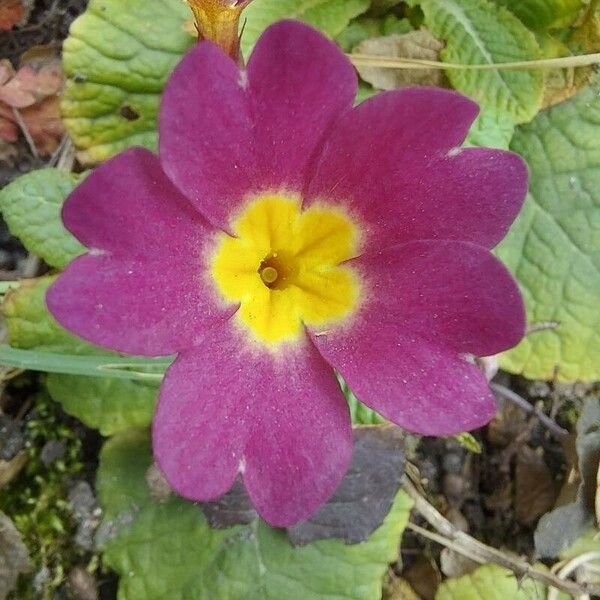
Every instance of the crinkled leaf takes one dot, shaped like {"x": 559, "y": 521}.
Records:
{"x": 31, "y": 207}
{"x": 480, "y": 32}
{"x": 117, "y": 61}
{"x": 166, "y": 549}
{"x": 490, "y": 582}
{"x": 330, "y": 16}
{"x": 553, "y": 247}
{"x": 545, "y": 14}
{"x": 109, "y": 405}
{"x": 364, "y": 28}
{"x": 31, "y": 326}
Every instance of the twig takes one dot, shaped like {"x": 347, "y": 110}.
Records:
{"x": 391, "y": 62}
{"x": 478, "y": 551}
{"x": 528, "y": 408}
{"x": 541, "y": 326}
{"x": 66, "y": 158}
{"x": 25, "y": 130}
{"x": 571, "y": 566}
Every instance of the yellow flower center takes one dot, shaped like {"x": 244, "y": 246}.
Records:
{"x": 284, "y": 267}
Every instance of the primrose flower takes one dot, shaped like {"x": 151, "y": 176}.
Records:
{"x": 282, "y": 234}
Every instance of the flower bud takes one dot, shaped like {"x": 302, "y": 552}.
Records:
{"x": 218, "y": 21}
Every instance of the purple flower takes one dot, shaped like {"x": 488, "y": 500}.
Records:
{"x": 282, "y": 234}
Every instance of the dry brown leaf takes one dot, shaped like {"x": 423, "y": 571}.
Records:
{"x": 34, "y": 91}
{"x": 424, "y": 577}
{"x": 597, "y": 507}
{"x": 399, "y": 589}
{"x": 12, "y": 12}
{"x": 415, "y": 44}
{"x": 454, "y": 564}
{"x": 9, "y": 469}
{"x": 535, "y": 491}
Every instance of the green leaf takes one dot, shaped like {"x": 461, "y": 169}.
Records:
{"x": 117, "y": 61}
{"x": 490, "y": 582}
{"x": 545, "y": 14}
{"x": 480, "y": 32}
{"x": 31, "y": 207}
{"x": 110, "y": 405}
{"x": 364, "y": 28}
{"x": 553, "y": 247}
{"x": 166, "y": 549}
{"x": 330, "y": 16}
{"x": 30, "y": 325}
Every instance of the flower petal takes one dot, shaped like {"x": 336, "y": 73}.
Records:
{"x": 150, "y": 307}
{"x": 205, "y": 132}
{"x": 394, "y": 160}
{"x": 418, "y": 384}
{"x": 428, "y": 304}
{"x": 128, "y": 207}
{"x": 140, "y": 289}
{"x": 454, "y": 292}
{"x": 300, "y": 83}
{"x": 226, "y": 133}
{"x": 281, "y": 421}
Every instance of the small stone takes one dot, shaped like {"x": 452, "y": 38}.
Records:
{"x": 12, "y": 440}
{"x": 157, "y": 484}
{"x": 52, "y": 451}
{"x": 82, "y": 585}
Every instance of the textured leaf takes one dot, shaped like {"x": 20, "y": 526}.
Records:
{"x": 545, "y": 14}
{"x": 30, "y": 325}
{"x": 480, "y": 32}
{"x": 109, "y": 405}
{"x": 166, "y": 549}
{"x": 554, "y": 247}
{"x": 364, "y": 28}
{"x": 489, "y": 582}
{"x": 31, "y": 207}
{"x": 117, "y": 62}
{"x": 330, "y": 16}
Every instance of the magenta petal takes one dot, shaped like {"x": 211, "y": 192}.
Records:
{"x": 428, "y": 304}
{"x": 394, "y": 160}
{"x": 453, "y": 292}
{"x": 205, "y": 132}
{"x": 300, "y": 83}
{"x": 225, "y": 133}
{"x": 150, "y": 307}
{"x": 127, "y": 207}
{"x": 416, "y": 383}
{"x": 140, "y": 289}
{"x": 281, "y": 422}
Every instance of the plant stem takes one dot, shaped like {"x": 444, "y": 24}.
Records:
{"x": 475, "y": 550}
